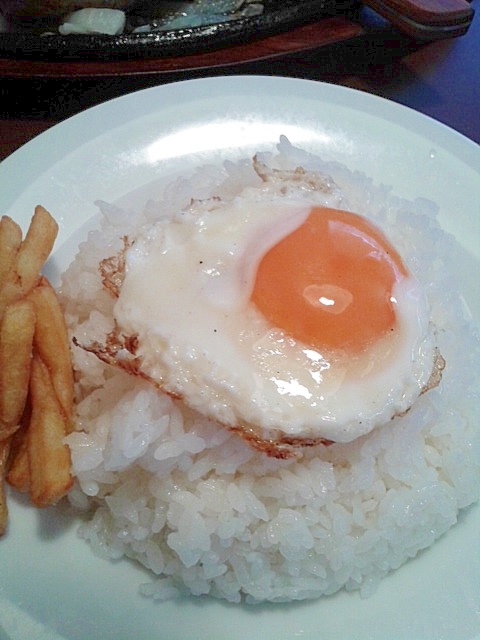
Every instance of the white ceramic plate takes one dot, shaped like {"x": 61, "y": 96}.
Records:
{"x": 51, "y": 585}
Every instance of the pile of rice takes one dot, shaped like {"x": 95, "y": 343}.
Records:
{"x": 209, "y": 515}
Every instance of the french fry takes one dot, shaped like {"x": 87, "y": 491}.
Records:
{"x": 4, "y": 451}
{"x": 30, "y": 257}
{"x": 48, "y": 456}
{"x": 18, "y": 471}
{"x": 52, "y": 343}
{"x": 36, "y": 377}
{"x": 10, "y": 241}
{"x": 35, "y": 248}
{"x": 16, "y": 338}
{"x": 18, "y": 475}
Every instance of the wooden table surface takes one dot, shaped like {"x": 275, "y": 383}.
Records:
{"x": 440, "y": 79}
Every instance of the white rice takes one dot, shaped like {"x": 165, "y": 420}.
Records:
{"x": 209, "y": 515}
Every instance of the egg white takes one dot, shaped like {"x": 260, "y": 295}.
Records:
{"x": 186, "y": 295}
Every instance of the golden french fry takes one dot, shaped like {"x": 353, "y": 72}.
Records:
{"x": 9, "y": 293}
{"x": 18, "y": 475}
{"x": 10, "y": 240}
{"x": 36, "y": 377}
{"x": 16, "y": 338}
{"x": 48, "y": 456}
{"x": 4, "y": 452}
{"x": 35, "y": 248}
{"x": 30, "y": 257}
{"x": 51, "y": 342}
{"x": 18, "y": 471}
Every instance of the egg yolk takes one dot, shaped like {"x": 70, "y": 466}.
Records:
{"x": 329, "y": 283}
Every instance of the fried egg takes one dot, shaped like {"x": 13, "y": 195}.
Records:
{"x": 278, "y": 312}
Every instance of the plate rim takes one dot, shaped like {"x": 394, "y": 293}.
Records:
{"x": 458, "y": 143}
